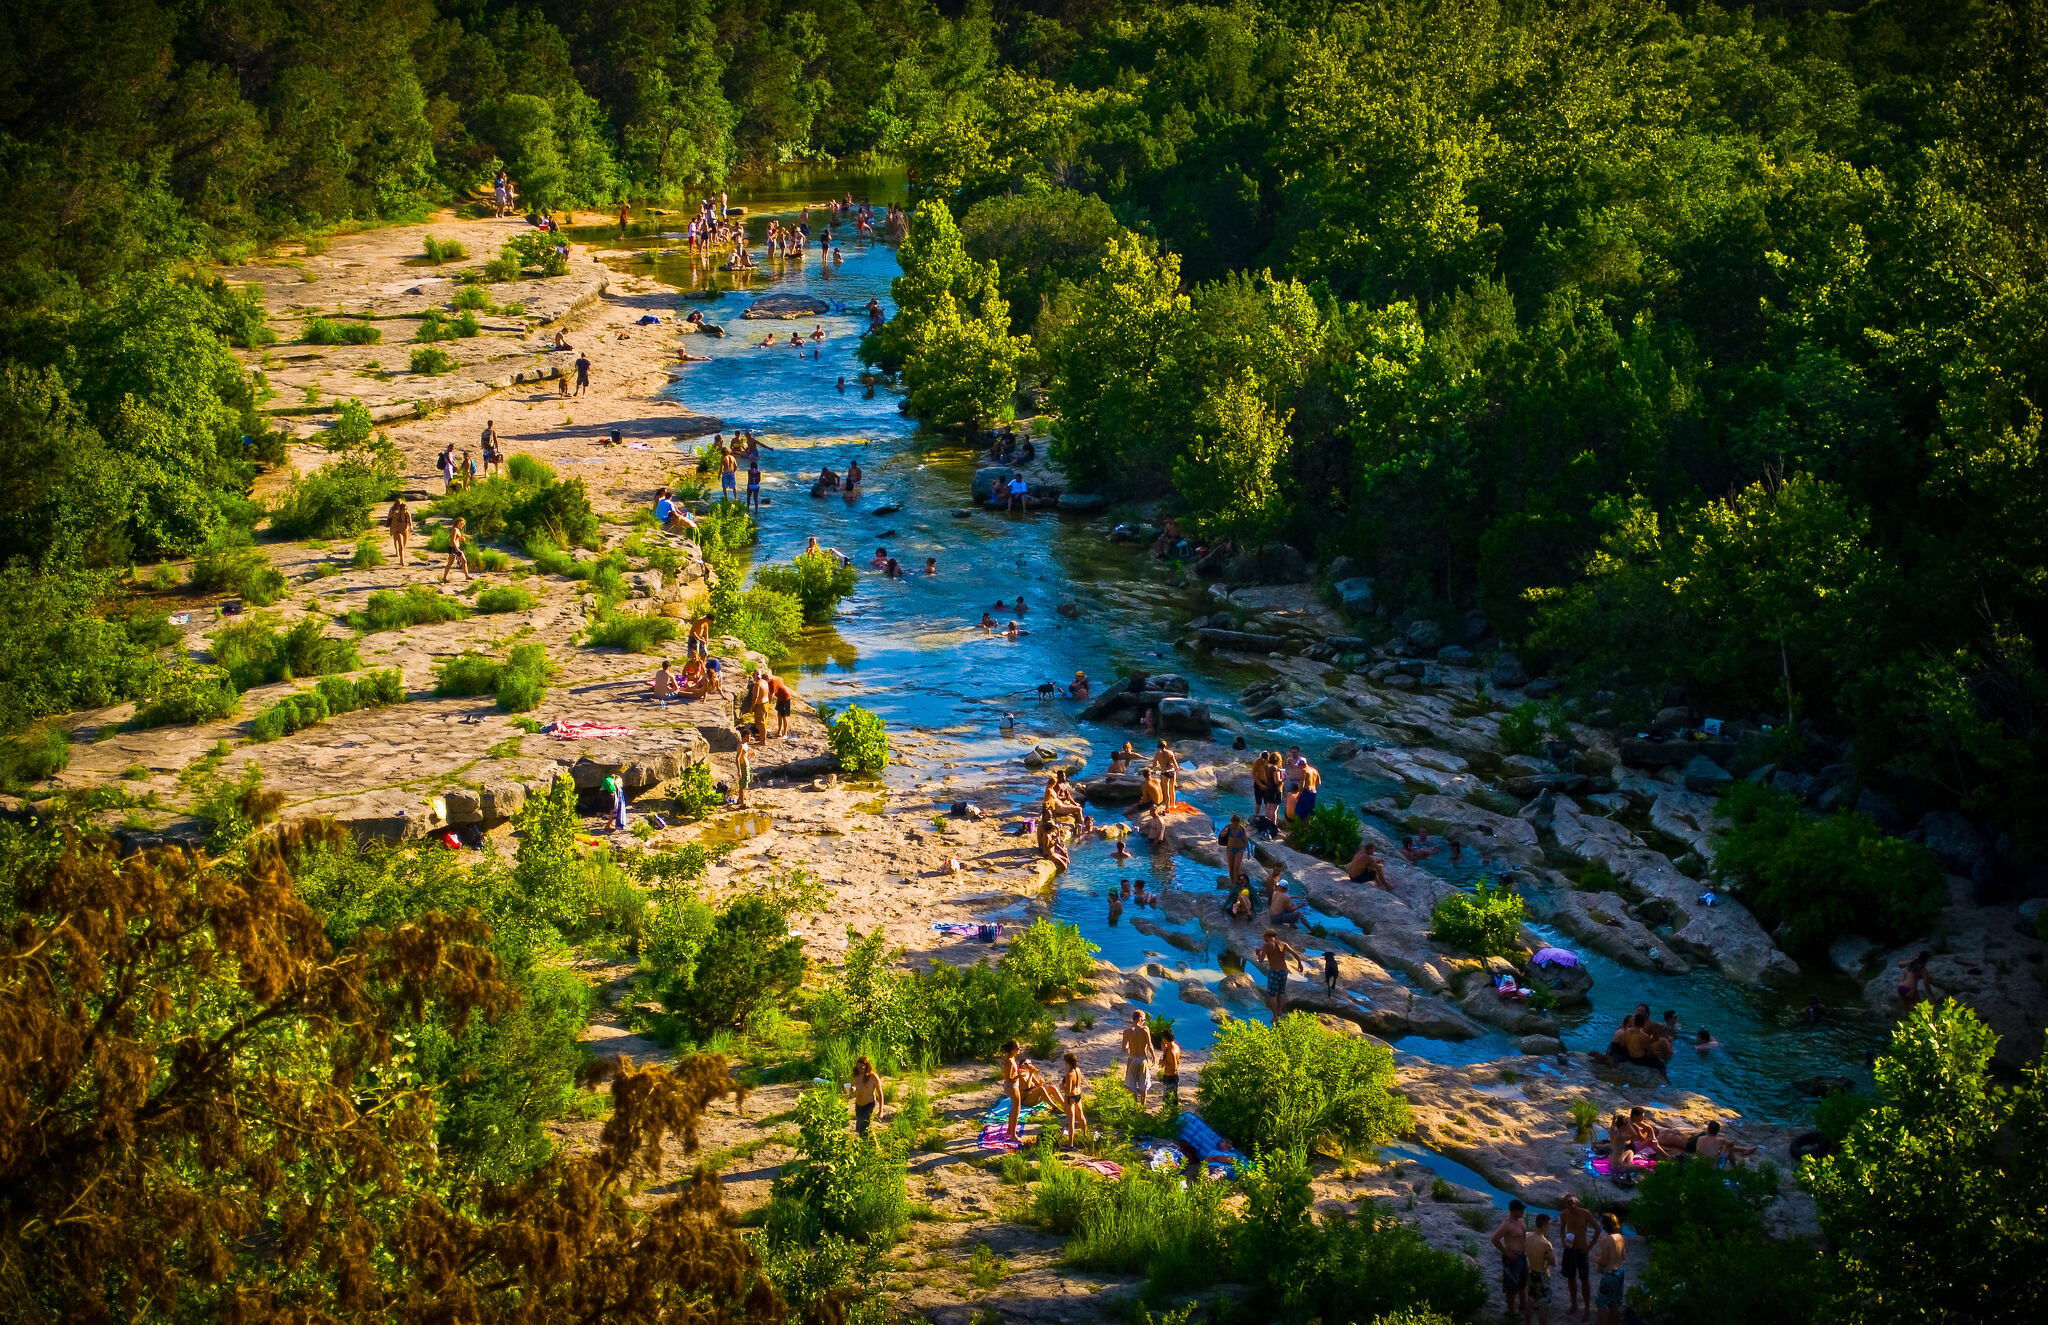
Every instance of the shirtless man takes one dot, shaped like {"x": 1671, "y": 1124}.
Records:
{"x": 1541, "y": 1258}
{"x": 1714, "y": 1146}
{"x": 785, "y": 699}
{"x": 1137, "y": 1047}
{"x": 399, "y": 523}
{"x": 1274, "y": 953}
{"x": 1367, "y": 865}
{"x": 1576, "y": 1225}
{"x": 1305, "y": 800}
{"x": 1610, "y": 1253}
{"x": 1168, "y": 765}
{"x": 457, "y": 542}
{"x": 1511, "y": 1241}
{"x": 665, "y": 687}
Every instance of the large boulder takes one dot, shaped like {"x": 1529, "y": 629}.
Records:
{"x": 774, "y": 306}
{"x": 1425, "y": 636}
{"x": 990, "y": 480}
{"x": 1355, "y": 595}
{"x": 1082, "y": 503}
{"x": 1112, "y": 789}
{"x": 1706, "y": 777}
{"x": 1239, "y": 640}
{"x": 1179, "y": 714}
{"x": 1952, "y": 838}
{"x": 1508, "y": 672}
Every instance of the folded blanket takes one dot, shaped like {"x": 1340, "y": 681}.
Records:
{"x": 579, "y": 729}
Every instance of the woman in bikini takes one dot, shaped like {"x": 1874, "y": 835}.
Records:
{"x": 1013, "y": 1086}
{"x": 1236, "y": 838}
{"x": 1169, "y": 777}
{"x": 1072, "y": 1084}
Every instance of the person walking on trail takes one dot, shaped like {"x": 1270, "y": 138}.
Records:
{"x": 869, "y": 1093}
{"x": 1275, "y": 953}
{"x": 743, "y": 768}
{"x": 458, "y": 554}
{"x": 492, "y": 456}
{"x": 1511, "y": 1240}
{"x": 399, "y": 523}
{"x": 617, "y": 790}
{"x": 1138, "y": 1051}
{"x": 582, "y": 373}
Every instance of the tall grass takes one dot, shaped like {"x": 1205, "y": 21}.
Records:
{"x": 451, "y": 250}
{"x": 327, "y": 331}
{"x": 1151, "y": 1224}
{"x": 418, "y": 605}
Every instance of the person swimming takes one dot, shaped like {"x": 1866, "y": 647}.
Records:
{"x": 987, "y": 624}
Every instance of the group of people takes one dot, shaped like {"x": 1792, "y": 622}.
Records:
{"x": 892, "y": 569}
{"x": 1528, "y": 1260}
{"x": 847, "y": 484}
{"x": 1634, "y": 1140}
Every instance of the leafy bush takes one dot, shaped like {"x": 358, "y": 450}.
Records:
{"x": 418, "y": 605}
{"x": 333, "y": 501}
{"x": 482, "y": 506}
{"x": 1821, "y": 878}
{"x": 529, "y": 471}
{"x": 859, "y": 741}
{"x": 1050, "y": 958}
{"x": 839, "y": 1184}
{"x": 696, "y": 792}
{"x": 1371, "y": 1267}
{"x": 291, "y": 714}
{"x": 953, "y": 1012}
{"x": 1485, "y": 922}
{"x": 1293, "y": 1085}
{"x": 436, "y": 325}
{"x": 535, "y": 249}
{"x": 370, "y": 691}
{"x": 324, "y": 331}
{"x": 504, "y": 598}
{"x": 520, "y": 682}
{"x": 763, "y": 620}
{"x": 1837, "y": 1115}
{"x": 472, "y": 296}
{"x": 190, "y": 694}
{"x": 1331, "y": 831}
{"x": 1714, "y": 1261}
{"x": 451, "y": 251}
{"x": 32, "y": 756}
{"x": 368, "y": 555}
{"x": 558, "y": 513}
{"x": 715, "y": 978}
{"x": 240, "y": 571}
{"x": 431, "y": 360}
{"x": 1675, "y": 1194}
{"x": 242, "y": 314}
{"x": 256, "y": 654}
{"x": 1517, "y": 727}
{"x": 818, "y": 580}
{"x": 498, "y": 270}
{"x": 633, "y": 632}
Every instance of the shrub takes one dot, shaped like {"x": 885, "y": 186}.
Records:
{"x": 859, "y": 741}
{"x": 1517, "y": 726}
{"x": 557, "y": 513}
{"x": 953, "y": 1012}
{"x": 536, "y": 250}
{"x": 291, "y": 714}
{"x": 436, "y": 325}
{"x": 747, "y": 959}
{"x": 763, "y": 620}
{"x": 839, "y": 1184}
{"x": 32, "y": 756}
{"x": 696, "y": 792}
{"x": 431, "y": 360}
{"x": 1154, "y": 1224}
{"x": 467, "y": 674}
{"x": 255, "y": 654}
{"x": 472, "y": 296}
{"x": 1837, "y": 1114}
{"x": 324, "y": 331}
{"x": 240, "y": 571}
{"x": 190, "y": 694}
{"x": 482, "y": 506}
{"x": 451, "y": 251}
{"x": 333, "y": 501}
{"x": 1485, "y": 922}
{"x": 1372, "y": 1267}
{"x": 498, "y": 270}
{"x": 1293, "y": 1085}
{"x": 1050, "y": 958}
{"x": 1331, "y": 832}
{"x": 418, "y": 605}
{"x": 368, "y": 555}
{"x": 1820, "y": 878}
{"x": 1675, "y": 1194}
{"x": 370, "y": 691}
{"x": 504, "y": 598}
{"x": 529, "y": 471}
{"x": 818, "y": 580}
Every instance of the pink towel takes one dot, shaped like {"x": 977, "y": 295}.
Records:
{"x": 1108, "y": 1168}
{"x": 579, "y": 729}
{"x": 996, "y": 1136}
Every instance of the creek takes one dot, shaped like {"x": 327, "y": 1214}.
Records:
{"x": 909, "y": 650}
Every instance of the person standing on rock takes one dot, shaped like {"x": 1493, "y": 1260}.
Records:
{"x": 1275, "y": 953}
{"x": 492, "y": 456}
{"x": 1576, "y": 1225}
{"x": 1305, "y": 799}
{"x": 785, "y": 701}
{"x": 728, "y": 476}
{"x": 757, "y": 703}
{"x": 399, "y": 523}
{"x": 1137, "y": 1046}
{"x": 1541, "y": 1257}
{"x": 1013, "y": 1088}
{"x": 1511, "y": 1241}
{"x": 617, "y": 790}
{"x": 1236, "y": 839}
{"x": 582, "y": 373}
{"x": 1169, "y": 1067}
{"x": 1168, "y": 765}
{"x": 753, "y": 481}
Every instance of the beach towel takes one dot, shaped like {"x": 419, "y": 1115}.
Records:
{"x": 580, "y": 729}
{"x": 961, "y": 929}
{"x": 639, "y": 446}
{"x": 996, "y": 1137}
{"x": 1554, "y": 957}
{"x": 1600, "y": 1166}
{"x": 999, "y": 1112}
{"x": 1209, "y": 1146}
{"x": 1108, "y": 1168}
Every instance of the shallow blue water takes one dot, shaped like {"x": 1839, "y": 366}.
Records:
{"x": 909, "y": 650}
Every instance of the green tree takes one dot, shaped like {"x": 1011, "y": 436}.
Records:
{"x": 1935, "y": 1201}
{"x": 1231, "y": 474}
{"x": 1293, "y": 1085}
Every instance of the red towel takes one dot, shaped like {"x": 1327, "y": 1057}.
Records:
{"x": 579, "y": 729}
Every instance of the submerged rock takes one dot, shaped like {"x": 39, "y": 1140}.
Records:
{"x": 787, "y": 306}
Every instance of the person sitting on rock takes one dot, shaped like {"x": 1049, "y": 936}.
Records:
{"x": 1712, "y": 1145}
{"x": 1284, "y": 911}
{"x": 1366, "y": 865}
{"x": 665, "y": 685}
{"x": 1051, "y": 845}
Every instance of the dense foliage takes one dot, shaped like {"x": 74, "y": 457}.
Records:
{"x": 1485, "y": 922}
{"x": 1811, "y": 880}
{"x": 1293, "y": 1085}
{"x": 859, "y": 740}
{"x": 1051, "y": 958}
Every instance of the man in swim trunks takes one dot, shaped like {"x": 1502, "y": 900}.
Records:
{"x": 1541, "y": 1257}
{"x": 784, "y": 697}
{"x": 1511, "y": 1241}
{"x": 1576, "y": 1223}
{"x": 1305, "y": 799}
{"x": 1137, "y": 1046}
{"x": 1274, "y": 953}
{"x": 1609, "y": 1255}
